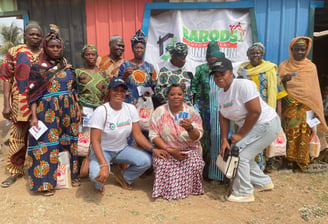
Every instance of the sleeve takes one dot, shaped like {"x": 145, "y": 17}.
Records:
{"x": 121, "y": 70}
{"x": 133, "y": 113}
{"x": 248, "y": 91}
{"x": 281, "y": 92}
{"x": 98, "y": 118}
{"x": 7, "y": 67}
{"x": 195, "y": 82}
{"x": 154, "y": 129}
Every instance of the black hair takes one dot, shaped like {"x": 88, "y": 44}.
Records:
{"x": 173, "y": 85}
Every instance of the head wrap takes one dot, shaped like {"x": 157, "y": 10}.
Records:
{"x": 178, "y": 49}
{"x": 302, "y": 41}
{"x": 213, "y": 50}
{"x": 257, "y": 45}
{"x": 93, "y": 47}
{"x": 33, "y": 24}
{"x": 139, "y": 37}
{"x": 52, "y": 35}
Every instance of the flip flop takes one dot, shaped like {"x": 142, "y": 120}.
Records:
{"x": 76, "y": 183}
{"x": 49, "y": 193}
{"x": 9, "y": 181}
{"x": 120, "y": 179}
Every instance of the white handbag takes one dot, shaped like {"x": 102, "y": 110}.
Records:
{"x": 228, "y": 164}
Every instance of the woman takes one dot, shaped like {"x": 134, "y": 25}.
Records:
{"x": 258, "y": 125}
{"x": 52, "y": 100}
{"x": 205, "y": 94}
{"x": 173, "y": 71}
{"x": 92, "y": 84}
{"x": 111, "y": 124}
{"x": 300, "y": 78}
{"x": 177, "y": 129}
{"x": 265, "y": 75}
{"x": 137, "y": 72}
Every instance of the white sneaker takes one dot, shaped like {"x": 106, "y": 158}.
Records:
{"x": 246, "y": 198}
{"x": 268, "y": 187}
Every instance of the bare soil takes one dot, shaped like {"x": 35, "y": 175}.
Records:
{"x": 297, "y": 197}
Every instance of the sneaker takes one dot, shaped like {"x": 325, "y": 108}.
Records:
{"x": 246, "y": 198}
{"x": 268, "y": 187}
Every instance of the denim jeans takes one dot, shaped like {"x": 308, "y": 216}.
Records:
{"x": 249, "y": 172}
{"x": 139, "y": 161}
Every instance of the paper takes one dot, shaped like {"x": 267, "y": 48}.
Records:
{"x": 311, "y": 120}
{"x": 243, "y": 73}
{"x": 180, "y": 116}
{"x": 88, "y": 111}
{"x": 37, "y": 132}
{"x": 142, "y": 90}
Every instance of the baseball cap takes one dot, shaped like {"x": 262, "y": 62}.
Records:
{"x": 115, "y": 82}
{"x": 221, "y": 65}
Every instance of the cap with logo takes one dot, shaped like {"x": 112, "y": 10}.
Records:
{"x": 115, "y": 82}
{"x": 221, "y": 65}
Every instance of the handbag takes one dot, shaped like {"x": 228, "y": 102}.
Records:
{"x": 314, "y": 144}
{"x": 228, "y": 164}
{"x": 278, "y": 146}
{"x": 84, "y": 169}
{"x": 144, "y": 107}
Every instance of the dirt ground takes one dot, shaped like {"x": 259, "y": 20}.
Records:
{"x": 297, "y": 197}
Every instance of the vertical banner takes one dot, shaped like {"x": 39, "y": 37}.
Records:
{"x": 231, "y": 28}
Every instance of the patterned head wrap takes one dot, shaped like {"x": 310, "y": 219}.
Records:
{"x": 33, "y": 24}
{"x": 52, "y": 35}
{"x": 139, "y": 37}
{"x": 93, "y": 47}
{"x": 257, "y": 45}
{"x": 213, "y": 50}
{"x": 178, "y": 49}
{"x": 302, "y": 41}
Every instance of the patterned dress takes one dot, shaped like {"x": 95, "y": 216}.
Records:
{"x": 106, "y": 63}
{"x": 57, "y": 111}
{"x": 176, "y": 179}
{"x": 143, "y": 75}
{"x": 169, "y": 74}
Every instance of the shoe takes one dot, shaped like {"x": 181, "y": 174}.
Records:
{"x": 49, "y": 193}
{"x": 246, "y": 198}
{"x": 268, "y": 187}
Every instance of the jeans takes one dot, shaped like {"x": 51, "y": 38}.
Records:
{"x": 138, "y": 160}
{"x": 249, "y": 172}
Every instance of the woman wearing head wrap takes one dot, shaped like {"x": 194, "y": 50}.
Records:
{"x": 300, "y": 78}
{"x": 92, "y": 83}
{"x": 173, "y": 71}
{"x": 205, "y": 92}
{"x": 266, "y": 77}
{"x": 52, "y": 98}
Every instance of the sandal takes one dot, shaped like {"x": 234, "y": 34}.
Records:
{"x": 101, "y": 190}
{"x": 120, "y": 179}
{"x": 49, "y": 193}
{"x": 9, "y": 181}
{"x": 76, "y": 182}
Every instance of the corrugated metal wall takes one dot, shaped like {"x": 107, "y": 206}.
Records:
{"x": 68, "y": 15}
{"x": 113, "y": 17}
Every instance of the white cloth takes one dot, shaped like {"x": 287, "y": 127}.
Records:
{"x": 231, "y": 103}
{"x": 118, "y": 126}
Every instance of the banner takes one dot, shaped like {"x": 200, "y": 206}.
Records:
{"x": 231, "y": 28}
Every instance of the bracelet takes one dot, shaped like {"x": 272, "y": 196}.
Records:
{"x": 151, "y": 149}
{"x": 167, "y": 147}
{"x": 102, "y": 165}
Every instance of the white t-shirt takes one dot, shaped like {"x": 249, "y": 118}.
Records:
{"x": 118, "y": 126}
{"x": 232, "y": 102}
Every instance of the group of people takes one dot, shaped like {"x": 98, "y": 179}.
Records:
{"x": 194, "y": 115}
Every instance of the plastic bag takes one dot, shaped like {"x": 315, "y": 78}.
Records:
{"x": 83, "y": 143}
{"x": 278, "y": 146}
{"x": 145, "y": 108}
{"x": 64, "y": 171}
{"x": 314, "y": 144}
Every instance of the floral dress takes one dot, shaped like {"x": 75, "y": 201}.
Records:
{"x": 176, "y": 179}
{"x": 56, "y": 109}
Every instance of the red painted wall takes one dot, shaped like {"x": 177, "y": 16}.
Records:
{"x": 113, "y": 17}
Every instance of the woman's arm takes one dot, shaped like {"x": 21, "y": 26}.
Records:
{"x": 224, "y": 127}
{"x": 34, "y": 119}
{"x": 254, "y": 110}
{"x": 192, "y": 131}
{"x": 176, "y": 153}
{"x": 96, "y": 146}
{"x": 6, "y": 112}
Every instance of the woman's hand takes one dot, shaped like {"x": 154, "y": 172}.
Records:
{"x": 224, "y": 146}
{"x": 127, "y": 72}
{"x": 6, "y": 113}
{"x": 235, "y": 137}
{"x": 176, "y": 153}
{"x": 186, "y": 124}
{"x": 161, "y": 153}
{"x": 103, "y": 174}
{"x": 34, "y": 122}
{"x": 78, "y": 114}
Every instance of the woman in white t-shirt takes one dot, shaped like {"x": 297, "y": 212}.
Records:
{"x": 111, "y": 125}
{"x": 258, "y": 126}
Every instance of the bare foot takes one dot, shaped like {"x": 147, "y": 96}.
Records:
{"x": 101, "y": 190}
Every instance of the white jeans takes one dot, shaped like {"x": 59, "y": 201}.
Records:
{"x": 249, "y": 172}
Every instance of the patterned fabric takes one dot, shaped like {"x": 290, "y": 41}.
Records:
{"x": 205, "y": 91}
{"x": 56, "y": 109}
{"x": 257, "y": 45}
{"x": 107, "y": 64}
{"x": 297, "y": 131}
{"x": 178, "y": 49}
{"x": 91, "y": 87}
{"x": 139, "y": 37}
{"x": 16, "y": 69}
{"x": 86, "y": 46}
{"x": 143, "y": 75}
{"x": 177, "y": 179}
{"x": 167, "y": 76}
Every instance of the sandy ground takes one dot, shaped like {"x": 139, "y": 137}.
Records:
{"x": 296, "y": 197}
